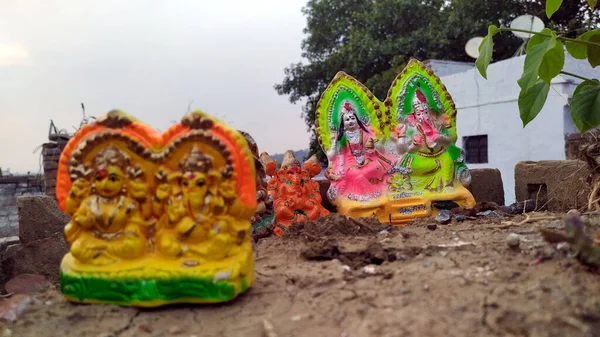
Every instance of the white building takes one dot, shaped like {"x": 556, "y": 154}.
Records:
{"x": 488, "y": 123}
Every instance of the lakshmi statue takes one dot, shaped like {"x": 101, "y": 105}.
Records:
{"x": 357, "y": 168}
{"x": 296, "y": 196}
{"x": 393, "y": 159}
{"x": 157, "y": 218}
{"x": 106, "y": 226}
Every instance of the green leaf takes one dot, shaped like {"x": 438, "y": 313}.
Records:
{"x": 585, "y": 105}
{"x": 592, "y": 3}
{"x": 532, "y": 100}
{"x": 537, "y": 48}
{"x": 486, "y": 49}
{"x": 580, "y": 50}
{"x": 552, "y": 62}
{"x": 552, "y": 6}
{"x": 594, "y": 51}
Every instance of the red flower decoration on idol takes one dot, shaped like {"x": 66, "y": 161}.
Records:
{"x": 347, "y": 106}
{"x": 101, "y": 174}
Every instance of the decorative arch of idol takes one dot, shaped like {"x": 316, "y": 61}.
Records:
{"x": 393, "y": 159}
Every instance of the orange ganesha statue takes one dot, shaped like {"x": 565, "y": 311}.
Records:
{"x": 296, "y": 196}
{"x": 157, "y": 218}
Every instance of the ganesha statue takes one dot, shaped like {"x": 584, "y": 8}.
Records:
{"x": 296, "y": 196}
{"x": 157, "y": 218}
{"x": 394, "y": 159}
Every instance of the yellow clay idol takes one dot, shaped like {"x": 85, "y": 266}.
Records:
{"x": 157, "y": 218}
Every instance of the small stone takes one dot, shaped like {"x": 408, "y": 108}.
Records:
{"x": 401, "y": 256}
{"x": 573, "y": 212}
{"x": 296, "y": 318}
{"x": 484, "y": 213}
{"x": 563, "y": 247}
{"x": 513, "y": 240}
{"x": 158, "y": 333}
{"x": 386, "y": 240}
{"x": 369, "y": 270}
{"x": 176, "y": 330}
{"x": 460, "y": 218}
{"x": 426, "y": 264}
{"x": 547, "y": 253}
{"x": 443, "y": 217}
{"x": 432, "y": 227}
{"x": 383, "y": 234}
{"x": 444, "y": 253}
{"x": 27, "y": 284}
{"x": 426, "y": 287}
{"x": 555, "y": 224}
{"x": 347, "y": 268}
{"x": 405, "y": 291}
{"x": 145, "y": 328}
{"x": 48, "y": 303}
{"x": 13, "y": 308}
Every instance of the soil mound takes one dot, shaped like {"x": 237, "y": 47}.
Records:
{"x": 336, "y": 225}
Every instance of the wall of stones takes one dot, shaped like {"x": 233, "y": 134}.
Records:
{"x": 10, "y": 189}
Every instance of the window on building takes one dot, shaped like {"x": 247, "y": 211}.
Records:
{"x": 476, "y": 149}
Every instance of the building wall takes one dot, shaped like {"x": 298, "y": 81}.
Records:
{"x": 9, "y": 192}
{"x": 491, "y": 108}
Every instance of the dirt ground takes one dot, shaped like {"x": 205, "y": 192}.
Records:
{"x": 460, "y": 279}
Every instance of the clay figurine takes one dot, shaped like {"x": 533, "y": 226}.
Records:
{"x": 264, "y": 216}
{"x": 396, "y": 158}
{"x": 157, "y": 218}
{"x": 296, "y": 196}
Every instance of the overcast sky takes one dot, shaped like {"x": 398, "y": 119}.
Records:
{"x": 149, "y": 58}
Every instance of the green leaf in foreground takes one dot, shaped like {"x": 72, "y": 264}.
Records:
{"x": 486, "y": 49}
{"x": 532, "y": 100}
{"x": 580, "y": 50}
{"x": 537, "y": 48}
{"x": 585, "y": 105}
{"x": 594, "y": 51}
{"x": 592, "y": 3}
{"x": 552, "y": 62}
{"x": 552, "y": 6}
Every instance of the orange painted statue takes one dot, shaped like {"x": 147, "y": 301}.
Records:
{"x": 296, "y": 196}
{"x": 157, "y": 218}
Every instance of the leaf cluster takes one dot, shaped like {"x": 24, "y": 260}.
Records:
{"x": 545, "y": 60}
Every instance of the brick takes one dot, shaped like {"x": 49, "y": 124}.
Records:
{"x": 558, "y": 185}
{"x": 27, "y": 284}
{"x": 51, "y": 192}
{"x": 41, "y": 257}
{"x": 50, "y": 165}
{"x": 52, "y": 151}
{"x": 39, "y": 217}
{"x": 486, "y": 185}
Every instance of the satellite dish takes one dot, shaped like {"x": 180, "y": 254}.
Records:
{"x": 527, "y": 22}
{"x": 472, "y": 46}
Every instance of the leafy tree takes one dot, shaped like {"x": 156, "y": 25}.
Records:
{"x": 372, "y": 40}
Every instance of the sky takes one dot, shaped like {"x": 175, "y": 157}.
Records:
{"x": 151, "y": 59}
